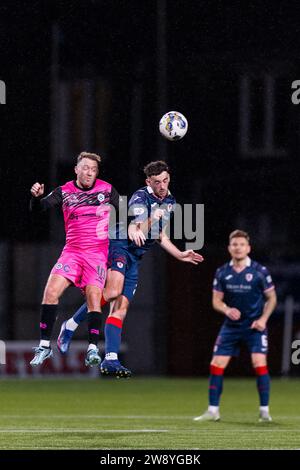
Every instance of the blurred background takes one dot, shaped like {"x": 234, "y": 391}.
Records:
{"x": 97, "y": 76}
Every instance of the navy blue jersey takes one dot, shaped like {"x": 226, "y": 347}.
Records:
{"x": 141, "y": 207}
{"x": 244, "y": 290}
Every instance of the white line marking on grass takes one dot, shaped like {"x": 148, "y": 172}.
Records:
{"x": 98, "y": 431}
{"x": 94, "y": 417}
{"x": 176, "y": 431}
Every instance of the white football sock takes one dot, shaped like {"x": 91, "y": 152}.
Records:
{"x": 264, "y": 409}
{"x": 92, "y": 346}
{"x": 111, "y": 356}
{"x": 213, "y": 409}
{"x": 44, "y": 343}
{"x": 71, "y": 324}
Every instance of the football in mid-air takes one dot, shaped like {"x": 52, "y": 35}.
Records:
{"x": 173, "y": 125}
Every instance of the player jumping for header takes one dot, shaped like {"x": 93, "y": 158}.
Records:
{"x": 243, "y": 291}
{"x": 85, "y": 203}
{"x": 151, "y": 208}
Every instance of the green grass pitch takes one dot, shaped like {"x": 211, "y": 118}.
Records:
{"x": 150, "y": 413}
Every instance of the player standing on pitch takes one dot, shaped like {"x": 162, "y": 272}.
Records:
{"x": 85, "y": 203}
{"x": 243, "y": 291}
{"x": 151, "y": 208}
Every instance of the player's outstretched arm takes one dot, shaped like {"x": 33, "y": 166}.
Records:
{"x": 188, "y": 256}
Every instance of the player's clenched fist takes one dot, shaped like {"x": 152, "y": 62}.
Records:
{"x": 37, "y": 190}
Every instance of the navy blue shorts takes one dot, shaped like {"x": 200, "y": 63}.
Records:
{"x": 230, "y": 338}
{"x": 125, "y": 262}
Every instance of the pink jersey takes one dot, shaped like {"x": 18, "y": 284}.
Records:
{"x": 86, "y": 215}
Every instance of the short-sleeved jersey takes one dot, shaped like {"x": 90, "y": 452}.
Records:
{"x": 86, "y": 212}
{"x": 141, "y": 207}
{"x": 244, "y": 290}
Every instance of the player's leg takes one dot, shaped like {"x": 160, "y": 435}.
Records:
{"x": 93, "y": 298}
{"x": 113, "y": 288}
{"x": 259, "y": 362}
{"x": 55, "y": 287}
{"x": 217, "y": 368}
{"x": 257, "y": 342}
{"x": 114, "y": 284}
{"x": 113, "y": 330}
{"x": 114, "y": 323}
{"x": 68, "y": 328}
{"x": 225, "y": 347}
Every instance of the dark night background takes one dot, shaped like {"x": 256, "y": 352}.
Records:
{"x": 229, "y": 69}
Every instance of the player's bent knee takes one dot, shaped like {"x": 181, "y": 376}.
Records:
{"x": 219, "y": 362}
{"x": 259, "y": 363}
{"x": 120, "y": 314}
{"x": 112, "y": 294}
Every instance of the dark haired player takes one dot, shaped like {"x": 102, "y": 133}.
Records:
{"x": 151, "y": 208}
{"x": 243, "y": 291}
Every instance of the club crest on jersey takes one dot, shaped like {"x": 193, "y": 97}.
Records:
{"x": 249, "y": 277}
{"x": 170, "y": 207}
{"x": 138, "y": 210}
{"x": 100, "y": 197}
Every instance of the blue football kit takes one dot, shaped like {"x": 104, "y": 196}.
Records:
{"x": 243, "y": 290}
{"x": 124, "y": 255}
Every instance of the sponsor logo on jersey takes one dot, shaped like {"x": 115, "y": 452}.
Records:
{"x": 228, "y": 277}
{"x": 269, "y": 279}
{"x": 58, "y": 266}
{"x": 120, "y": 265}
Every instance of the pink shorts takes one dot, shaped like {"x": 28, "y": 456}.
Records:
{"x": 82, "y": 268}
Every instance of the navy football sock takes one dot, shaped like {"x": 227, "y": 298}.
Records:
{"x": 215, "y": 385}
{"x": 263, "y": 384}
{"x": 112, "y": 331}
{"x": 81, "y": 314}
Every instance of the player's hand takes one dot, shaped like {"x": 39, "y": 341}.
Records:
{"x": 190, "y": 256}
{"x": 37, "y": 190}
{"x": 136, "y": 235}
{"x": 233, "y": 313}
{"x": 259, "y": 324}
{"x": 158, "y": 214}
